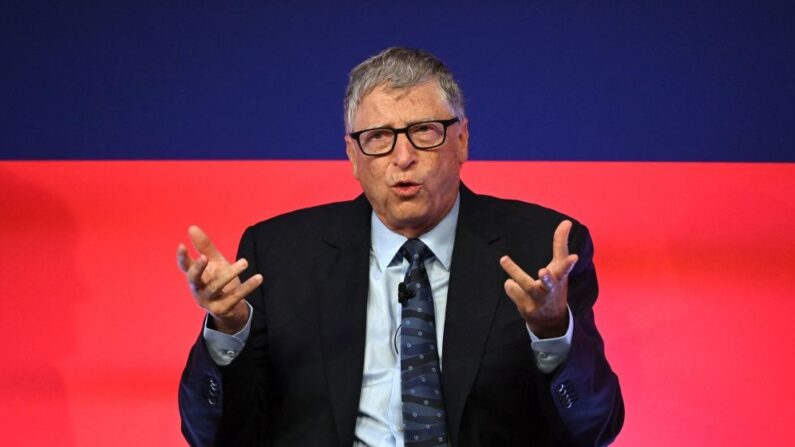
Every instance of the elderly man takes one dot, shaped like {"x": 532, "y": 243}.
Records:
{"x": 418, "y": 314}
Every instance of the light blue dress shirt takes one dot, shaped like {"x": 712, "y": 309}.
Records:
{"x": 380, "y": 418}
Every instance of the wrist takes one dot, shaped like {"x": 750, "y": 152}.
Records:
{"x": 550, "y": 329}
{"x": 233, "y": 322}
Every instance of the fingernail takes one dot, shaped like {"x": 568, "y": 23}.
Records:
{"x": 547, "y": 280}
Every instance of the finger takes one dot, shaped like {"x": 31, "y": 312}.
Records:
{"x": 246, "y": 288}
{"x": 560, "y": 241}
{"x": 202, "y": 242}
{"x": 216, "y": 286}
{"x": 195, "y": 272}
{"x": 229, "y": 301}
{"x": 516, "y": 273}
{"x": 547, "y": 280}
{"x": 519, "y": 296}
{"x": 561, "y": 269}
{"x": 183, "y": 259}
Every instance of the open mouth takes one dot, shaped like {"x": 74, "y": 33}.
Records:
{"x": 406, "y": 189}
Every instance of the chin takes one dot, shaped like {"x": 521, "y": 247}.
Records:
{"x": 409, "y": 212}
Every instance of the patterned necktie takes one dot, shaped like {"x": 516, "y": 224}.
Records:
{"x": 423, "y": 402}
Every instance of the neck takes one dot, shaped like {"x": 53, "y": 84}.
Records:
{"x": 414, "y": 231}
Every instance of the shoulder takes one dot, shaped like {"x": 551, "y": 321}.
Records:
{"x": 510, "y": 213}
{"x": 523, "y": 224}
{"x": 292, "y": 243}
{"x": 316, "y": 219}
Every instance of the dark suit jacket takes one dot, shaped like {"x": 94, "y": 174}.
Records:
{"x": 297, "y": 382}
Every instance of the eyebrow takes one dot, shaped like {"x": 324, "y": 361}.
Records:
{"x": 409, "y": 124}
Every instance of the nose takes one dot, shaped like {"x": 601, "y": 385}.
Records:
{"x": 405, "y": 154}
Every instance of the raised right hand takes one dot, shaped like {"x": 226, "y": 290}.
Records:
{"x": 214, "y": 282}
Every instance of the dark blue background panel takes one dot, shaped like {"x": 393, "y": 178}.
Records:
{"x": 545, "y": 80}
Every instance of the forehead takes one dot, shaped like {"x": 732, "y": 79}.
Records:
{"x": 385, "y": 106}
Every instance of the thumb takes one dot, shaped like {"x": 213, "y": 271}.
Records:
{"x": 202, "y": 242}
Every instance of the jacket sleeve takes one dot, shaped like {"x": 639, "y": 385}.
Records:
{"x": 584, "y": 388}
{"x": 227, "y": 405}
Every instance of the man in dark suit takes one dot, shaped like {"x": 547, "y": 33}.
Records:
{"x": 319, "y": 352}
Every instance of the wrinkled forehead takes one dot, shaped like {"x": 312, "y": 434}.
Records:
{"x": 423, "y": 97}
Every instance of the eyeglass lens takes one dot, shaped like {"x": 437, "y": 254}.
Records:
{"x": 421, "y": 135}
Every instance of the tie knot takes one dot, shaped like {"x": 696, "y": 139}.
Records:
{"x": 415, "y": 250}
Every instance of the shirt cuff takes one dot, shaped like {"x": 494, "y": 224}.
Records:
{"x": 223, "y": 348}
{"x": 551, "y": 352}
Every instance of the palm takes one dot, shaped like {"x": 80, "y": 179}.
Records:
{"x": 215, "y": 282}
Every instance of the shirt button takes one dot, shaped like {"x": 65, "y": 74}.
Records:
{"x": 543, "y": 355}
{"x": 231, "y": 353}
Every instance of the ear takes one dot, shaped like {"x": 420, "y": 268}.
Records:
{"x": 463, "y": 140}
{"x": 353, "y": 155}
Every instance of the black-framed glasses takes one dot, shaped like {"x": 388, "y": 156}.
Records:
{"x": 381, "y": 140}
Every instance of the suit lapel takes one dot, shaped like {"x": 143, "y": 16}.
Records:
{"x": 474, "y": 291}
{"x": 342, "y": 273}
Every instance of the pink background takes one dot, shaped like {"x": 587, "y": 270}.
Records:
{"x": 695, "y": 262}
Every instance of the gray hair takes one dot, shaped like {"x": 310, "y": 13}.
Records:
{"x": 400, "y": 68}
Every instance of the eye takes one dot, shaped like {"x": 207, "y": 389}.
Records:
{"x": 376, "y": 135}
{"x": 423, "y": 128}
{"x": 428, "y": 134}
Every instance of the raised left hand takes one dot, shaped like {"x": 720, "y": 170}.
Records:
{"x": 542, "y": 302}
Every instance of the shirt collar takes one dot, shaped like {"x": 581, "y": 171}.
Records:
{"x": 439, "y": 239}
